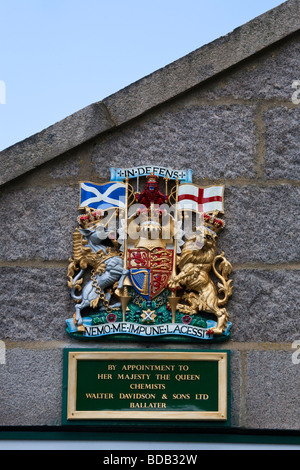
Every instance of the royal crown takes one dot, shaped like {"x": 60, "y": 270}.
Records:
{"x": 152, "y": 178}
{"x": 213, "y": 223}
{"x": 90, "y": 218}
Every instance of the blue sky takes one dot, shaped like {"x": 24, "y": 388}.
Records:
{"x": 58, "y": 56}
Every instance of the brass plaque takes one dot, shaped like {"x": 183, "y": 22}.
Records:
{"x": 148, "y": 385}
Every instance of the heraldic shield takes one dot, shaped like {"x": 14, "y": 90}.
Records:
{"x": 150, "y": 270}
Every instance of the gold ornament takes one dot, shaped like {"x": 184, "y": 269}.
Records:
{"x": 198, "y": 258}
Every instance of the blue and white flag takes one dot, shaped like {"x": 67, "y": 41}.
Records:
{"x": 102, "y": 196}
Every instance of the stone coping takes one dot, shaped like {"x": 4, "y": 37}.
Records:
{"x": 151, "y": 91}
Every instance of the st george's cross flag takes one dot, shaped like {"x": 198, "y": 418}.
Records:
{"x": 195, "y": 198}
{"x": 102, "y": 196}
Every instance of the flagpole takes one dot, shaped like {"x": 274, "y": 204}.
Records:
{"x": 166, "y": 182}
{"x": 125, "y": 297}
{"x": 173, "y": 300}
{"x": 126, "y": 225}
{"x": 176, "y": 219}
{"x": 115, "y": 213}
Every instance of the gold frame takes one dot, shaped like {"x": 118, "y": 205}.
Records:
{"x": 220, "y": 415}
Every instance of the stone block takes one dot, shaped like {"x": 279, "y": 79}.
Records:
{"x": 216, "y": 142}
{"x": 31, "y": 388}
{"x": 54, "y": 141}
{"x": 28, "y": 400}
{"x": 38, "y": 222}
{"x": 282, "y": 158}
{"x": 261, "y": 223}
{"x": 265, "y": 306}
{"x": 272, "y": 393}
{"x": 204, "y": 63}
{"x": 152, "y": 91}
{"x": 268, "y": 76}
{"x": 65, "y": 168}
{"x": 235, "y": 386}
{"x": 35, "y": 304}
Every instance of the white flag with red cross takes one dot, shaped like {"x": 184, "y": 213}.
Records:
{"x": 197, "y": 199}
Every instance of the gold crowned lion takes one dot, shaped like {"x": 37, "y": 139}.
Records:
{"x": 198, "y": 258}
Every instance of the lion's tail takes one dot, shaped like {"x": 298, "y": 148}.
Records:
{"x": 76, "y": 285}
{"x": 224, "y": 286}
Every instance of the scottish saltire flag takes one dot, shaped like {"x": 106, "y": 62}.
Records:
{"x": 102, "y": 196}
{"x": 192, "y": 197}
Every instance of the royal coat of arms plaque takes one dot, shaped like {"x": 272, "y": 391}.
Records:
{"x": 145, "y": 260}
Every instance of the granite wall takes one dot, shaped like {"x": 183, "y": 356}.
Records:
{"x": 240, "y": 129}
